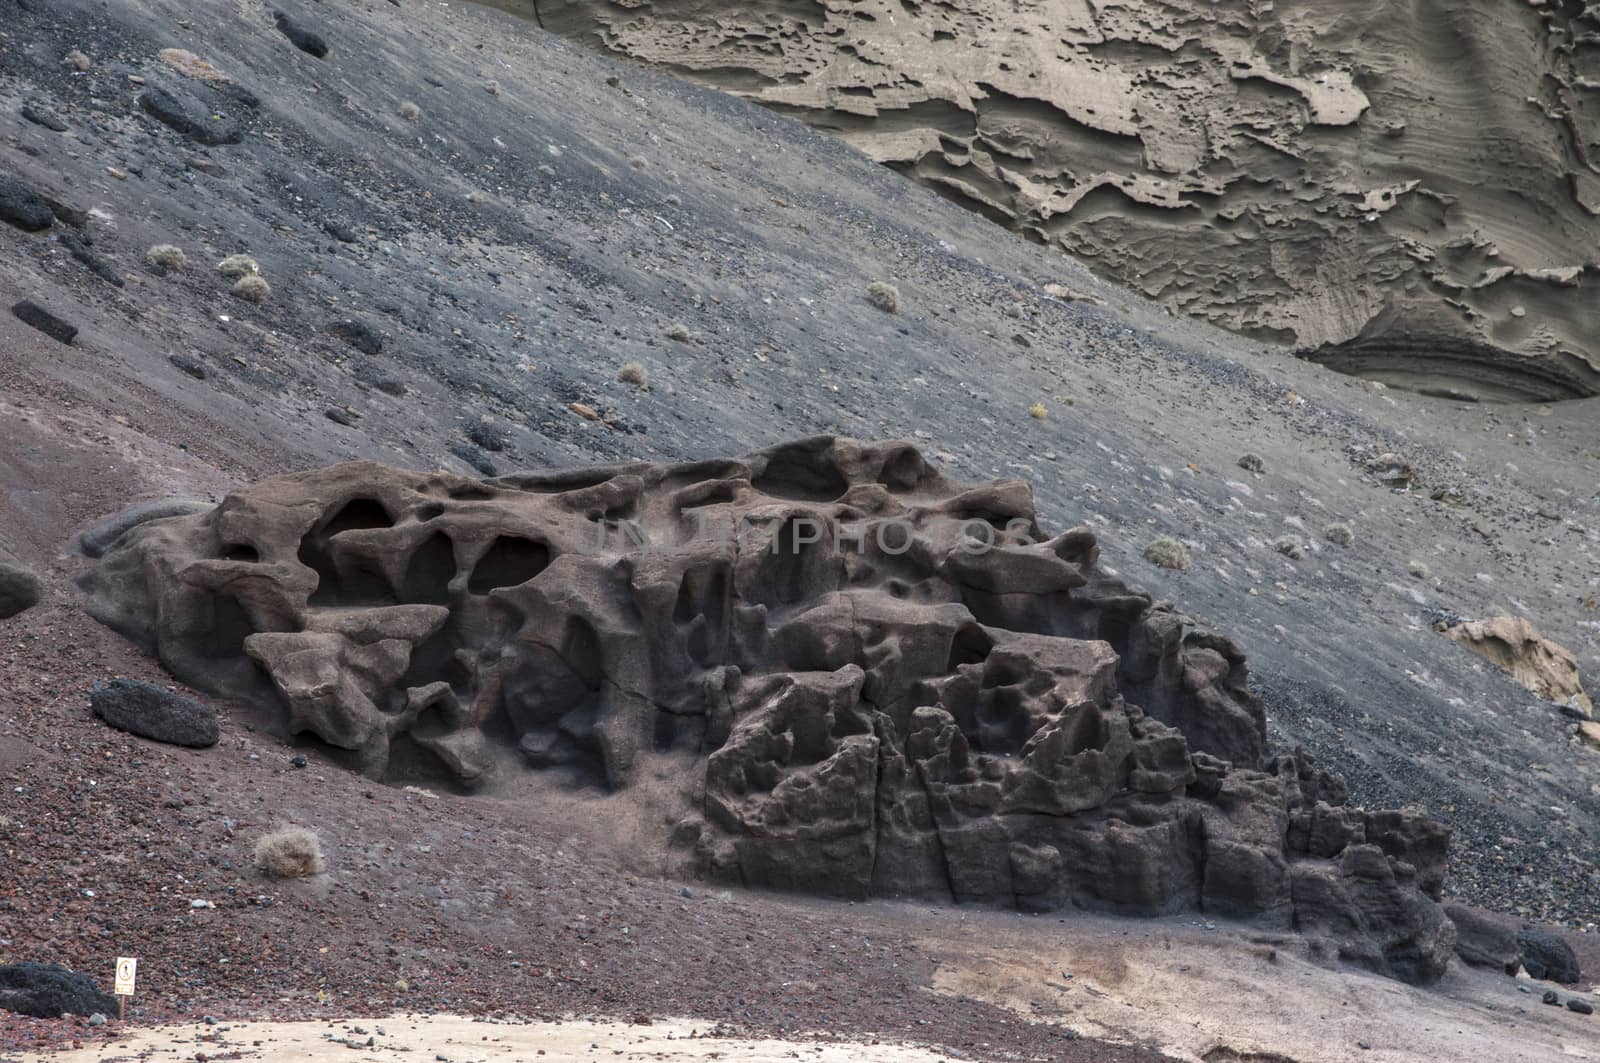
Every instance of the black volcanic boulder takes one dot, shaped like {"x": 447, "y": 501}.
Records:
{"x": 49, "y": 991}
{"x": 19, "y": 587}
{"x": 189, "y": 116}
{"x": 358, "y": 334}
{"x": 32, "y": 314}
{"x": 1545, "y": 956}
{"x": 150, "y": 712}
{"x": 302, "y": 38}
{"x": 862, "y": 678}
{"x": 22, "y": 207}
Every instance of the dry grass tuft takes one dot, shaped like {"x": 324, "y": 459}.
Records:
{"x": 1339, "y": 534}
{"x": 290, "y": 852}
{"x": 410, "y": 111}
{"x": 252, "y": 289}
{"x": 679, "y": 332}
{"x": 1038, "y": 412}
{"x": 885, "y": 297}
{"x": 169, "y": 257}
{"x": 1167, "y": 552}
{"x": 238, "y": 266}
{"x": 633, "y": 373}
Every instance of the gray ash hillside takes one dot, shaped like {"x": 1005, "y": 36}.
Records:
{"x": 863, "y": 694}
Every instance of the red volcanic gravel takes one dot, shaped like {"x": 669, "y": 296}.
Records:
{"x": 473, "y": 904}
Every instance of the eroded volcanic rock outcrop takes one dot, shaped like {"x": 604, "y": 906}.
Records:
{"x": 866, "y": 680}
{"x": 1409, "y": 192}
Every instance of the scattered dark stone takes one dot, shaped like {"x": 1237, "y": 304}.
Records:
{"x": 239, "y": 94}
{"x": 358, "y": 334}
{"x": 339, "y": 231}
{"x": 78, "y": 246}
{"x": 1546, "y": 957}
{"x": 23, "y": 207}
{"x": 310, "y": 43}
{"x": 374, "y": 377}
{"x": 298, "y": 760}
{"x": 1482, "y": 942}
{"x": 39, "y": 114}
{"x": 190, "y": 118}
{"x": 1582, "y": 1007}
{"x": 489, "y": 437}
{"x": 1251, "y": 463}
{"x": 474, "y": 457}
{"x": 1551, "y": 997}
{"x": 49, "y": 991}
{"x": 339, "y": 415}
{"x": 31, "y": 313}
{"x": 19, "y": 587}
{"x": 205, "y": 166}
{"x": 435, "y": 82}
{"x": 148, "y": 711}
{"x": 69, "y": 215}
{"x": 188, "y": 365}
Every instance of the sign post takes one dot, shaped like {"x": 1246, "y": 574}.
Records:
{"x": 127, "y": 969}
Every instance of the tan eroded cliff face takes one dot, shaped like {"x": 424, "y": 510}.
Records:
{"x": 1408, "y": 191}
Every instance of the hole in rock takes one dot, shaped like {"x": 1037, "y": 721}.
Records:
{"x": 435, "y": 659}
{"x": 230, "y": 625}
{"x": 799, "y": 564}
{"x": 1086, "y": 731}
{"x": 971, "y": 645}
{"x": 702, "y": 609}
{"x": 510, "y": 562}
{"x": 804, "y": 476}
{"x": 903, "y": 470}
{"x": 472, "y": 494}
{"x": 678, "y": 732}
{"x": 358, "y": 583}
{"x": 1003, "y": 723}
{"x": 429, "y": 572}
{"x": 705, "y": 494}
{"x": 240, "y": 552}
{"x": 357, "y": 513}
{"x": 431, "y": 511}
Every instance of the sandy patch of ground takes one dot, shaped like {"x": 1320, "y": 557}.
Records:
{"x": 1197, "y": 991}
{"x": 409, "y": 1038}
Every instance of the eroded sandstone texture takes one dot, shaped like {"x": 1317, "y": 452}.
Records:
{"x": 1410, "y": 191}
{"x": 858, "y": 696}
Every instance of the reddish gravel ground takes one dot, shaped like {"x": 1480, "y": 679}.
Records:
{"x": 470, "y": 902}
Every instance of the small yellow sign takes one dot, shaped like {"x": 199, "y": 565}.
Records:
{"x": 127, "y": 968}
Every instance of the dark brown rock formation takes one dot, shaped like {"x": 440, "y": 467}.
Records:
{"x": 875, "y": 681}
{"x": 1410, "y": 193}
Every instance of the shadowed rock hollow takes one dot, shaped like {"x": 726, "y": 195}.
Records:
{"x": 874, "y": 681}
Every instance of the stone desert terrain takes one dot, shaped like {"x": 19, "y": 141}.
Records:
{"x": 484, "y": 251}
